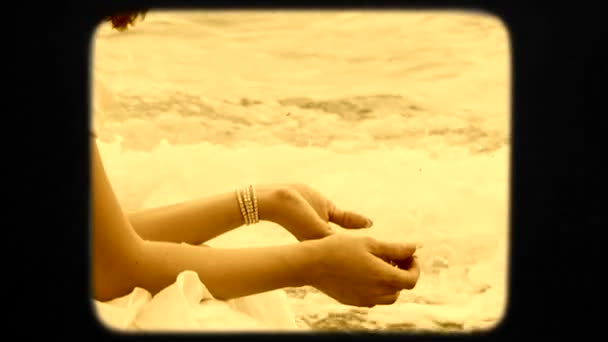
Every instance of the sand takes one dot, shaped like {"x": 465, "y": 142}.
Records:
{"x": 403, "y": 116}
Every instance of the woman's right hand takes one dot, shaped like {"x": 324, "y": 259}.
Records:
{"x": 356, "y": 270}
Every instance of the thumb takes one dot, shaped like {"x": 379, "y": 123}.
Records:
{"x": 347, "y": 219}
{"x": 393, "y": 251}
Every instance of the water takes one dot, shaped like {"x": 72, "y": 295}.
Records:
{"x": 403, "y": 116}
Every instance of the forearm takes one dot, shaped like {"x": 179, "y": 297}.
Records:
{"x": 197, "y": 221}
{"x": 227, "y": 273}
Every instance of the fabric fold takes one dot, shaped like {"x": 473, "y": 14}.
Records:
{"x": 187, "y": 305}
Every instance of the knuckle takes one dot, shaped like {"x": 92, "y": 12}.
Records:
{"x": 301, "y": 185}
{"x": 286, "y": 194}
{"x": 297, "y": 186}
{"x": 339, "y": 216}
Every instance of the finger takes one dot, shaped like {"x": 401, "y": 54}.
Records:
{"x": 402, "y": 279}
{"x": 394, "y": 277}
{"x": 387, "y": 299}
{"x": 323, "y": 229}
{"x": 320, "y": 229}
{"x": 392, "y": 251}
{"x": 414, "y": 270}
{"x": 405, "y": 279}
{"x": 383, "y": 290}
{"x": 347, "y": 219}
{"x": 304, "y": 223}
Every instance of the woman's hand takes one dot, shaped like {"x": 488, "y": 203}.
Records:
{"x": 306, "y": 214}
{"x": 356, "y": 270}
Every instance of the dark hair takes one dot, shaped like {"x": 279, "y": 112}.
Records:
{"x": 121, "y": 21}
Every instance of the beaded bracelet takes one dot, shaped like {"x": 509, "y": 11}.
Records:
{"x": 242, "y": 206}
{"x": 248, "y": 203}
{"x": 255, "y": 204}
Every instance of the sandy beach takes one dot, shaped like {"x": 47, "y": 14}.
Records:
{"x": 402, "y": 116}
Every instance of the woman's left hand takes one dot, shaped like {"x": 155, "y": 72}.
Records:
{"x": 306, "y": 214}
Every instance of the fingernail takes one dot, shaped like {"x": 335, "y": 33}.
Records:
{"x": 369, "y": 223}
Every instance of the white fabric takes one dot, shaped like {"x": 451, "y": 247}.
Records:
{"x": 187, "y": 305}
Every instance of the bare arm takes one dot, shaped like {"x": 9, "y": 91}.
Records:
{"x": 115, "y": 245}
{"x": 198, "y": 221}
{"x": 349, "y": 269}
{"x": 227, "y": 273}
{"x": 123, "y": 260}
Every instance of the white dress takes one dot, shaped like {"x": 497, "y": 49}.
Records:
{"x": 187, "y": 305}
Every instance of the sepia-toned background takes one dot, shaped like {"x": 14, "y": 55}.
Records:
{"x": 402, "y": 116}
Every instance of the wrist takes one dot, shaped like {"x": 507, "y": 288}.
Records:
{"x": 307, "y": 263}
{"x": 269, "y": 201}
